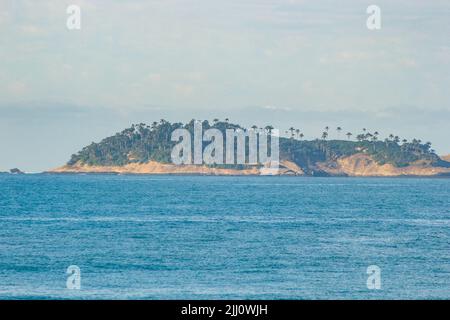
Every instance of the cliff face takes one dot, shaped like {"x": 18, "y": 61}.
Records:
{"x": 153, "y": 167}
{"x": 364, "y": 165}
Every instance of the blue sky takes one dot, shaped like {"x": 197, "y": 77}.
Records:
{"x": 307, "y": 64}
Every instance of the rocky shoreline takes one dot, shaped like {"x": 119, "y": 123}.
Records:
{"x": 358, "y": 165}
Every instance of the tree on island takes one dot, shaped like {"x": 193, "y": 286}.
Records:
{"x": 141, "y": 143}
{"x": 292, "y": 129}
{"x": 339, "y": 129}
{"x": 269, "y": 129}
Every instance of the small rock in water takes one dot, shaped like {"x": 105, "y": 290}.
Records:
{"x": 16, "y": 171}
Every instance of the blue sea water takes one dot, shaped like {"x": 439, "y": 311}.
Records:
{"x": 204, "y": 237}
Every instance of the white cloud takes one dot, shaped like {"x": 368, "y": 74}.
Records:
{"x": 184, "y": 89}
{"x": 32, "y": 30}
{"x": 408, "y": 62}
{"x": 154, "y": 77}
{"x": 272, "y": 107}
{"x": 17, "y": 88}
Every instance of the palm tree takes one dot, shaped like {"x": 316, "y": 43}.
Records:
{"x": 391, "y": 136}
{"x": 349, "y": 134}
{"x": 254, "y": 127}
{"x": 297, "y": 131}
{"x": 291, "y": 129}
{"x": 227, "y": 120}
{"x": 269, "y": 129}
{"x": 339, "y": 129}
{"x": 301, "y": 136}
{"x": 324, "y": 135}
{"x": 215, "y": 120}
{"x": 404, "y": 144}
{"x": 327, "y": 128}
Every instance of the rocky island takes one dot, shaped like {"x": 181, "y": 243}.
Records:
{"x": 146, "y": 149}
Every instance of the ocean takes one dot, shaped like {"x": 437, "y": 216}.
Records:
{"x": 208, "y": 237}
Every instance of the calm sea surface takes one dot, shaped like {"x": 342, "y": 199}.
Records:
{"x": 193, "y": 237}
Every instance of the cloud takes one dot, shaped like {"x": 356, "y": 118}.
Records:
{"x": 17, "y": 88}
{"x": 32, "y": 30}
{"x": 195, "y": 76}
{"x": 272, "y": 107}
{"x": 184, "y": 89}
{"x": 154, "y": 77}
{"x": 408, "y": 62}
{"x": 443, "y": 54}
{"x": 351, "y": 57}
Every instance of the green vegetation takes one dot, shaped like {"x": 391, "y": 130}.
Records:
{"x": 307, "y": 153}
{"x": 142, "y": 143}
{"x": 138, "y": 144}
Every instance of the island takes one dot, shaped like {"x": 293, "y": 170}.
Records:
{"x": 146, "y": 149}
{"x": 16, "y": 171}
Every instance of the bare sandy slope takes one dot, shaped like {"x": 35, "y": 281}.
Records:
{"x": 363, "y": 165}
{"x": 446, "y": 158}
{"x": 355, "y": 165}
{"x": 153, "y": 167}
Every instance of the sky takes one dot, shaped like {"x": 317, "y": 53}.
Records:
{"x": 301, "y": 63}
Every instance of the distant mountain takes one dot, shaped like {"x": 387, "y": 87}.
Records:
{"x": 147, "y": 148}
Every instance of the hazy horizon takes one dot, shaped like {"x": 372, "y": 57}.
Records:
{"x": 281, "y": 62}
